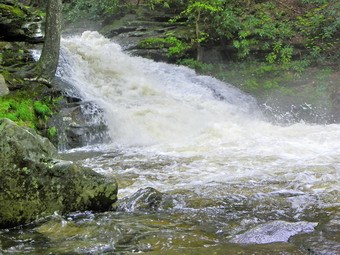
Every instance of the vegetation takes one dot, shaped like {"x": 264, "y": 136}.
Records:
{"x": 22, "y": 109}
{"x": 290, "y": 34}
{"x": 87, "y": 9}
{"x": 26, "y": 105}
{"x": 269, "y": 43}
{"x": 45, "y": 69}
{"x": 175, "y": 47}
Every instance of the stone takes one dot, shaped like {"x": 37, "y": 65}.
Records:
{"x": 19, "y": 23}
{"x": 144, "y": 200}
{"x": 3, "y": 87}
{"x": 79, "y": 123}
{"x": 36, "y": 183}
{"x": 275, "y": 231}
{"x": 325, "y": 241}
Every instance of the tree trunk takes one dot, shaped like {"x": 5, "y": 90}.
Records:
{"x": 199, "y": 54}
{"x": 48, "y": 62}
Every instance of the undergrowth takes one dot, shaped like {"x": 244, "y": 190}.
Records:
{"x": 25, "y": 111}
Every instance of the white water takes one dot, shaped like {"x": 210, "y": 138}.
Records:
{"x": 172, "y": 129}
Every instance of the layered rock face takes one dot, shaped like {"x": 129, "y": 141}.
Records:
{"x": 19, "y": 23}
{"x": 35, "y": 183}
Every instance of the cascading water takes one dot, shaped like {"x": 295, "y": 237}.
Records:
{"x": 208, "y": 131}
{"x": 222, "y": 167}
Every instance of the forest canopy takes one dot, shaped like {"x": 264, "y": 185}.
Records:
{"x": 274, "y": 31}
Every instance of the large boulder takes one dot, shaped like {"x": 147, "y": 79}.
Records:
{"x": 35, "y": 183}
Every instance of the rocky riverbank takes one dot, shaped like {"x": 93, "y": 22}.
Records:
{"x": 36, "y": 183}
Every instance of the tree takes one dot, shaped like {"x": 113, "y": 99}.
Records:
{"x": 201, "y": 15}
{"x": 46, "y": 67}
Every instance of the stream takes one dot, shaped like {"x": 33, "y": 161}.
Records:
{"x": 219, "y": 166}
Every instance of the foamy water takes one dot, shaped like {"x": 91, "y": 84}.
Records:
{"x": 172, "y": 129}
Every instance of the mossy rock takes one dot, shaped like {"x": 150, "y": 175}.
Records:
{"x": 3, "y": 87}
{"x": 18, "y": 22}
{"x": 36, "y": 183}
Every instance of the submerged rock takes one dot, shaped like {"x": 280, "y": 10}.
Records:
{"x": 143, "y": 200}
{"x": 275, "y": 231}
{"x": 325, "y": 241}
{"x": 35, "y": 183}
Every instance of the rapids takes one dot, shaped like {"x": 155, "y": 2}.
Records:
{"x": 203, "y": 142}
{"x": 197, "y": 131}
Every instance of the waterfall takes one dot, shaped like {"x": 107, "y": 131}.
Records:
{"x": 227, "y": 177}
{"x": 147, "y": 102}
{"x": 205, "y": 130}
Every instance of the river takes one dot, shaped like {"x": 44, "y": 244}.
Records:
{"x": 221, "y": 166}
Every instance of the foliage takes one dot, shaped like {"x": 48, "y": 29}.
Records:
{"x": 197, "y": 65}
{"x": 282, "y": 36}
{"x": 174, "y": 46}
{"x": 199, "y": 15}
{"x": 319, "y": 26}
{"x": 88, "y": 9}
{"x": 170, "y": 4}
{"x": 13, "y": 10}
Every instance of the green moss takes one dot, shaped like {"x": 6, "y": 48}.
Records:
{"x": 25, "y": 110}
{"x": 21, "y": 108}
{"x": 174, "y": 45}
{"x": 18, "y": 111}
{"x": 41, "y": 108}
{"x": 15, "y": 57}
{"x": 52, "y": 131}
{"x": 13, "y": 10}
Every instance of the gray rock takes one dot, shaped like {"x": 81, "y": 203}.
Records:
{"x": 3, "y": 87}
{"x": 275, "y": 231}
{"x": 143, "y": 200}
{"x": 35, "y": 183}
{"x": 79, "y": 123}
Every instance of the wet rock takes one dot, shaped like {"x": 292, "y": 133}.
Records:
{"x": 15, "y": 55}
{"x": 275, "y": 231}
{"x": 130, "y": 29}
{"x": 35, "y": 183}
{"x": 284, "y": 205}
{"x": 78, "y": 123}
{"x": 19, "y": 23}
{"x": 186, "y": 199}
{"x": 325, "y": 241}
{"x": 143, "y": 200}
{"x": 3, "y": 87}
